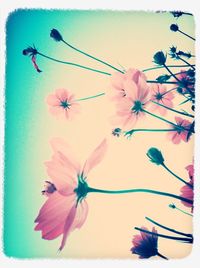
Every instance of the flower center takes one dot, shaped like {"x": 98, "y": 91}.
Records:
{"x": 82, "y": 189}
{"x": 137, "y": 107}
{"x": 65, "y": 104}
{"x": 158, "y": 96}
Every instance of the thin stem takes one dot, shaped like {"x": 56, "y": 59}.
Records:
{"x": 89, "y": 190}
{"x": 91, "y": 97}
{"x": 186, "y": 62}
{"x": 187, "y": 35}
{"x": 189, "y": 240}
{"x": 92, "y": 57}
{"x": 156, "y": 116}
{"x": 176, "y": 176}
{"x": 171, "y": 72}
{"x": 160, "y": 67}
{"x": 162, "y": 256}
{"x": 73, "y": 64}
{"x": 130, "y": 132}
{"x": 167, "y": 228}
{"x": 182, "y": 211}
{"x": 169, "y": 91}
{"x": 155, "y": 81}
{"x": 173, "y": 110}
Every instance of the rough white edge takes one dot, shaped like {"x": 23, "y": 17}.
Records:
{"x": 146, "y": 5}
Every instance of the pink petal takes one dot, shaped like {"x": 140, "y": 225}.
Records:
{"x": 131, "y": 89}
{"x": 67, "y": 227}
{"x": 60, "y": 145}
{"x": 62, "y": 94}
{"x": 81, "y": 215}
{"x": 56, "y": 110}
{"x": 53, "y": 100}
{"x": 96, "y": 157}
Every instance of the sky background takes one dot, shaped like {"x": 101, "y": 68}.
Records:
{"x": 122, "y": 38}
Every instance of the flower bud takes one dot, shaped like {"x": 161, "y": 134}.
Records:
{"x": 174, "y": 27}
{"x": 155, "y": 156}
{"x": 56, "y": 35}
{"x": 159, "y": 58}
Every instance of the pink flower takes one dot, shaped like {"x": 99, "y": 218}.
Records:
{"x": 185, "y": 79}
{"x": 118, "y": 82}
{"x": 160, "y": 95}
{"x": 190, "y": 169}
{"x": 33, "y": 59}
{"x": 180, "y": 133}
{"x": 145, "y": 245}
{"x": 66, "y": 208}
{"x": 130, "y": 108}
{"x": 63, "y": 103}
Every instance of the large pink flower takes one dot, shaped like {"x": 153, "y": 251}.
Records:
{"x": 130, "y": 107}
{"x": 179, "y": 133}
{"x": 187, "y": 191}
{"x": 118, "y": 82}
{"x": 160, "y": 95}
{"x": 63, "y": 103}
{"x": 66, "y": 208}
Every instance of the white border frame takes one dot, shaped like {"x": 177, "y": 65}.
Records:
{"x": 8, "y": 6}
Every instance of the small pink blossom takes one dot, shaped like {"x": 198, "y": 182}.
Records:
{"x": 62, "y": 102}
{"x": 118, "y": 82}
{"x": 66, "y": 208}
{"x": 130, "y": 107}
{"x": 187, "y": 191}
{"x": 160, "y": 95}
{"x": 179, "y": 133}
{"x": 186, "y": 79}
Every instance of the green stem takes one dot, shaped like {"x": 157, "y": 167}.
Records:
{"x": 156, "y": 116}
{"x": 89, "y": 190}
{"x": 160, "y": 67}
{"x": 187, "y": 35}
{"x": 130, "y": 132}
{"x": 162, "y": 256}
{"x": 167, "y": 228}
{"x": 171, "y": 73}
{"x": 168, "y": 91}
{"x": 73, "y": 64}
{"x": 91, "y": 97}
{"x": 173, "y": 110}
{"x": 92, "y": 57}
{"x": 184, "y": 212}
{"x": 189, "y": 240}
{"x": 176, "y": 176}
{"x": 155, "y": 81}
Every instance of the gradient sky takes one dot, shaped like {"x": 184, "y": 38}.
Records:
{"x": 122, "y": 38}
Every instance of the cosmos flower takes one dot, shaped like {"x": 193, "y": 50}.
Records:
{"x": 118, "y": 82}
{"x": 145, "y": 245}
{"x": 66, "y": 208}
{"x": 187, "y": 191}
{"x": 130, "y": 107}
{"x": 186, "y": 81}
{"x": 160, "y": 95}
{"x": 181, "y": 133}
{"x": 62, "y": 102}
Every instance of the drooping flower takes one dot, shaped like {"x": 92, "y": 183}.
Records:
{"x": 118, "y": 82}
{"x": 66, "y": 208}
{"x": 155, "y": 156}
{"x": 62, "y": 102}
{"x": 145, "y": 245}
{"x": 159, "y": 58}
{"x": 187, "y": 191}
{"x": 160, "y": 95}
{"x": 130, "y": 107}
{"x": 182, "y": 128}
{"x": 32, "y": 52}
{"x": 55, "y": 34}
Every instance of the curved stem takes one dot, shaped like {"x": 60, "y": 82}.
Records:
{"x": 184, "y": 239}
{"x": 156, "y": 116}
{"x": 130, "y": 132}
{"x": 173, "y": 110}
{"x": 176, "y": 176}
{"x": 91, "y": 97}
{"x": 162, "y": 256}
{"x": 73, "y": 64}
{"x": 189, "y": 214}
{"x": 92, "y": 57}
{"x": 167, "y": 228}
{"x": 160, "y": 67}
{"x": 187, "y": 35}
{"x": 89, "y": 190}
